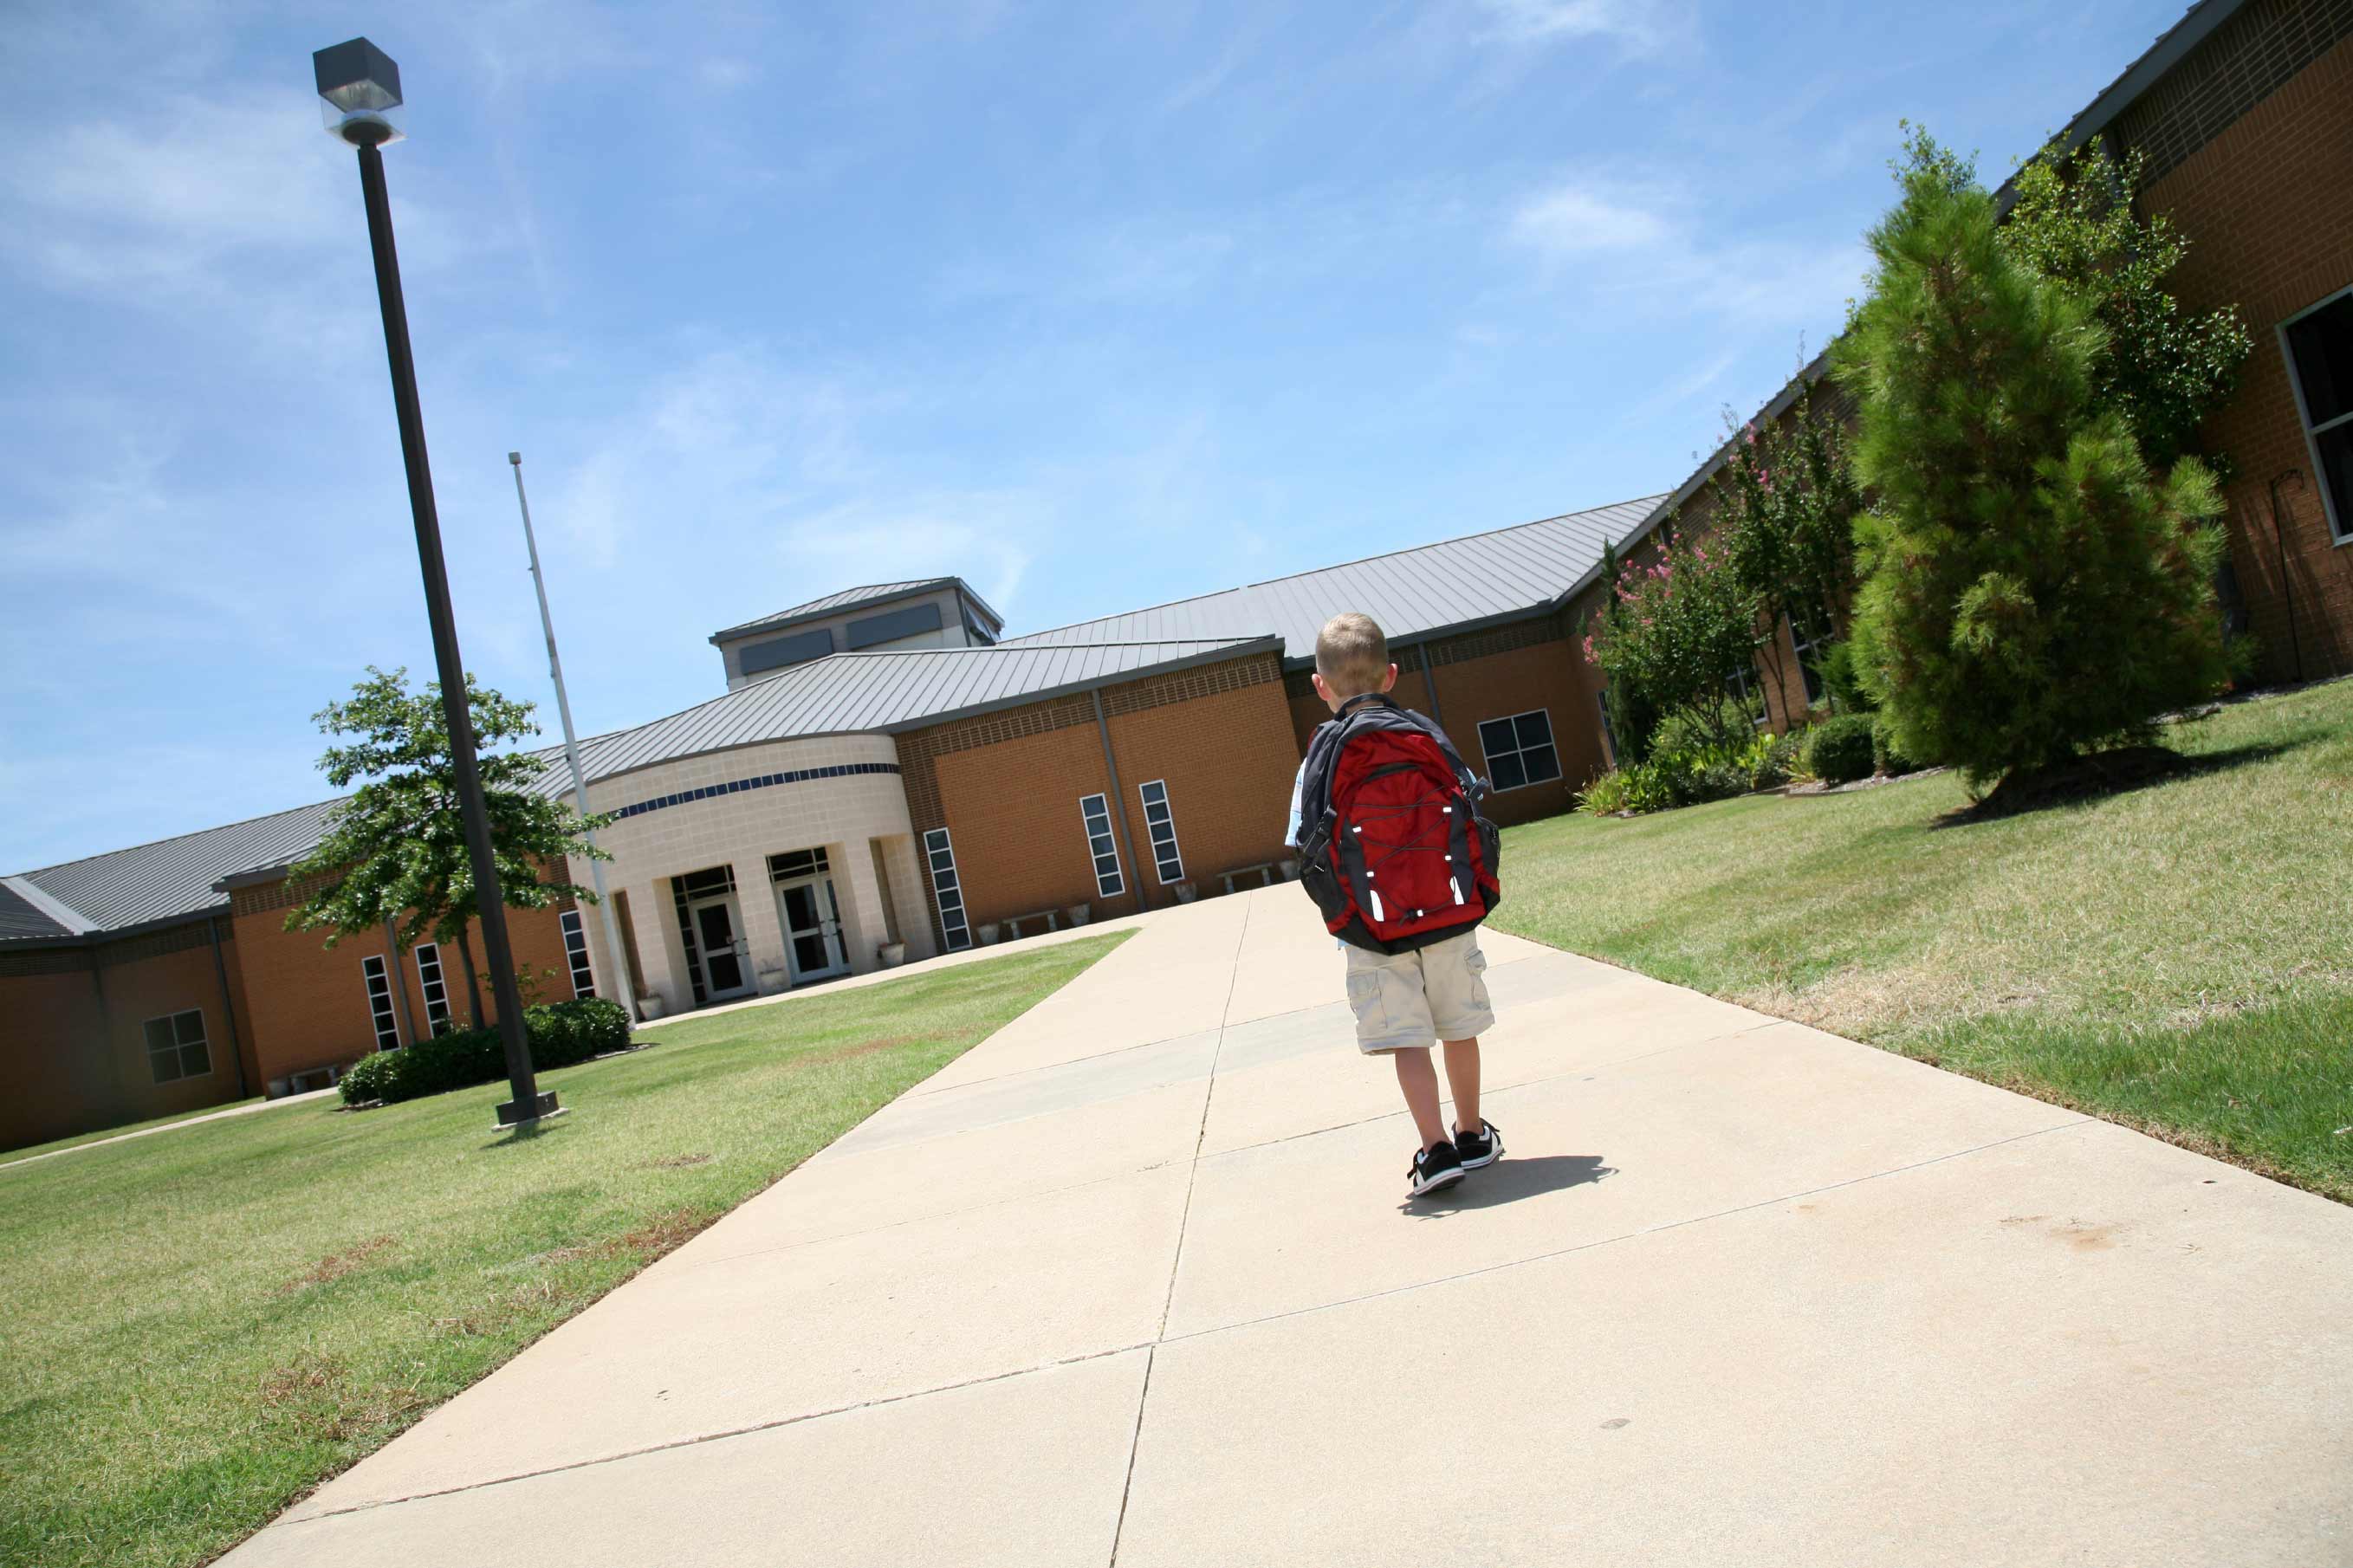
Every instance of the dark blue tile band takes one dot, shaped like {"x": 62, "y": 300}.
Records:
{"x": 764, "y": 781}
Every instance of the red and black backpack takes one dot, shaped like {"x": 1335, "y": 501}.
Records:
{"x": 1394, "y": 852}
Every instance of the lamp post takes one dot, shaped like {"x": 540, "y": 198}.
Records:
{"x": 360, "y": 84}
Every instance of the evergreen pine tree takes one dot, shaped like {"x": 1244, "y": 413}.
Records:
{"x": 2029, "y": 591}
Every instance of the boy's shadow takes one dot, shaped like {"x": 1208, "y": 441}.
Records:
{"x": 1507, "y": 1181}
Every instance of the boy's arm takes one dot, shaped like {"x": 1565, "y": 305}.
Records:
{"x": 1298, "y": 829}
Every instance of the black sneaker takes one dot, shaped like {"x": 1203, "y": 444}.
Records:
{"x": 1484, "y": 1147}
{"x": 1434, "y": 1168}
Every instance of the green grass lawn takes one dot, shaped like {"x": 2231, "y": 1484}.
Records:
{"x": 12, "y": 1155}
{"x": 204, "y": 1325}
{"x": 2177, "y": 957}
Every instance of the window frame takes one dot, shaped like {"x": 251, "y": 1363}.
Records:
{"x": 1551, "y": 744}
{"x": 1810, "y": 679}
{"x": 376, "y": 972}
{"x": 2340, "y": 529}
{"x": 955, "y": 926}
{"x": 176, "y": 1047}
{"x": 1112, "y": 884}
{"x": 440, "y": 1020}
{"x": 576, "y": 951}
{"x": 1153, "y": 831}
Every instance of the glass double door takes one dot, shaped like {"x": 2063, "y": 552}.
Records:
{"x": 812, "y": 922}
{"x": 720, "y": 949}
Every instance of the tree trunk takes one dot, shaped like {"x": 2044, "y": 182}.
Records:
{"x": 473, "y": 981}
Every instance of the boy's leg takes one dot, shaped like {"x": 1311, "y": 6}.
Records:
{"x": 1419, "y": 1081}
{"x": 1463, "y": 1082}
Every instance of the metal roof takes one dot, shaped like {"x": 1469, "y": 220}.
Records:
{"x": 23, "y": 917}
{"x": 864, "y": 693}
{"x": 851, "y": 598}
{"x": 172, "y": 877}
{"x": 1413, "y": 594}
{"x": 1417, "y": 593}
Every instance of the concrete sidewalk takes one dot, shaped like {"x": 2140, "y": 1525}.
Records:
{"x": 1133, "y": 1282}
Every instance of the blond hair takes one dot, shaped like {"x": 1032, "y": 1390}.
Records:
{"x": 1351, "y": 653}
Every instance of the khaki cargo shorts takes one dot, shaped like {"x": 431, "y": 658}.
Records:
{"x": 1409, "y": 999}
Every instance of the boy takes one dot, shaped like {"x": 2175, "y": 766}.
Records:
{"x": 1415, "y": 974}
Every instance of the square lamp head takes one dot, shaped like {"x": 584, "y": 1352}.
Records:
{"x": 359, "y": 86}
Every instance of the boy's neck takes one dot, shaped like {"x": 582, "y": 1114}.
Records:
{"x": 1345, "y": 703}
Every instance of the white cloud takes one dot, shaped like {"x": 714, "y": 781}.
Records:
{"x": 1638, "y": 27}
{"x": 1574, "y": 218}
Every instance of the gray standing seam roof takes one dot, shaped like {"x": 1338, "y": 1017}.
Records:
{"x": 1413, "y": 594}
{"x": 863, "y": 693}
{"x": 174, "y": 877}
{"x": 1417, "y": 592}
{"x": 849, "y": 599}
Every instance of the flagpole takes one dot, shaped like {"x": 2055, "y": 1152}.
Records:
{"x": 613, "y": 951}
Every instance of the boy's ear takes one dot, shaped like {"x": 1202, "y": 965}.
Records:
{"x": 1320, "y": 689}
{"x": 1389, "y": 680}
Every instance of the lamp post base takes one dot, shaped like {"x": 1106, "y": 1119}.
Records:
{"x": 513, "y": 1113}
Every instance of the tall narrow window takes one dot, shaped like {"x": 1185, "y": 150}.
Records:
{"x": 946, "y": 889}
{"x": 378, "y": 974}
{"x": 1808, "y": 644}
{"x": 1162, "y": 825}
{"x": 437, "y": 990}
{"x": 1609, "y": 731}
{"x": 2318, "y": 345}
{"x": 576, "y": 951}
{"x": 176, "y": 1048}
{"x": 1519, "y": 750}
{"x": 1094, "y": 810}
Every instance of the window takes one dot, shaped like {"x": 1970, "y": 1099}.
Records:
{"x": 1809, "y": 648}
{"x": 576, "y": 950}
{"x": 1609, "y": 731}
{"x": 2320, "y": 349}
{"x": 1519, "y": 750}
{"x": 378, "y": 974}
{"x": 1094, "y": 810}
{"x": 799, "y": 865}
{"x": 946, "y": 889}
{"x": 1748, "y": 686}
{"x": 175, "y": 1047}
{"x": 1162, "y": 826}
{"x": 437, "y": 990}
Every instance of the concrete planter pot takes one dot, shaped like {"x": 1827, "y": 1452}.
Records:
{"x": 774, "y": 978}
{"x": 1186, "y": 892}
{"x": 1078, "y": 914}
{"x": 649, "y": 1008}
{"x": 1290, "y": 870}
{"x": 892, "y": 953}
{"x": 986, "y": 934}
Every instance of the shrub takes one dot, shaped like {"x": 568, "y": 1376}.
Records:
{"x": 1839, "y": 749}
{"x": 561, "y": 1034}
{"x": 1771, "y": 759}
{"x": 1886, "y": 754}
{"x": 2031, "y": 590}
{"x": 1605, "y": 796}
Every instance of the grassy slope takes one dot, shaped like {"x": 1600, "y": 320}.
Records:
{"x": 2178, "y": 957}
{"x": 12, "y": 1155}
{"x": 203, "y": 1325}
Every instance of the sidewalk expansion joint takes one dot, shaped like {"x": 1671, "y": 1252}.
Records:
{"x": 701, "y": 1437}
{"x": 1184, "y": 1222}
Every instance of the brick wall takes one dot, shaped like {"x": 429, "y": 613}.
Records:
{"x": 1008, "y": 785}
{"x": 73, "y": 1045}
{"x": 310, "y": 1004}
{"x": 1228, "y": 760}
{"x": 2267, "y": 206}
{"x": 1013, "y": 810}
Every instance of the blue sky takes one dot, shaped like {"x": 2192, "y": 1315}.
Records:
{"x": 1095, "y": 305}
